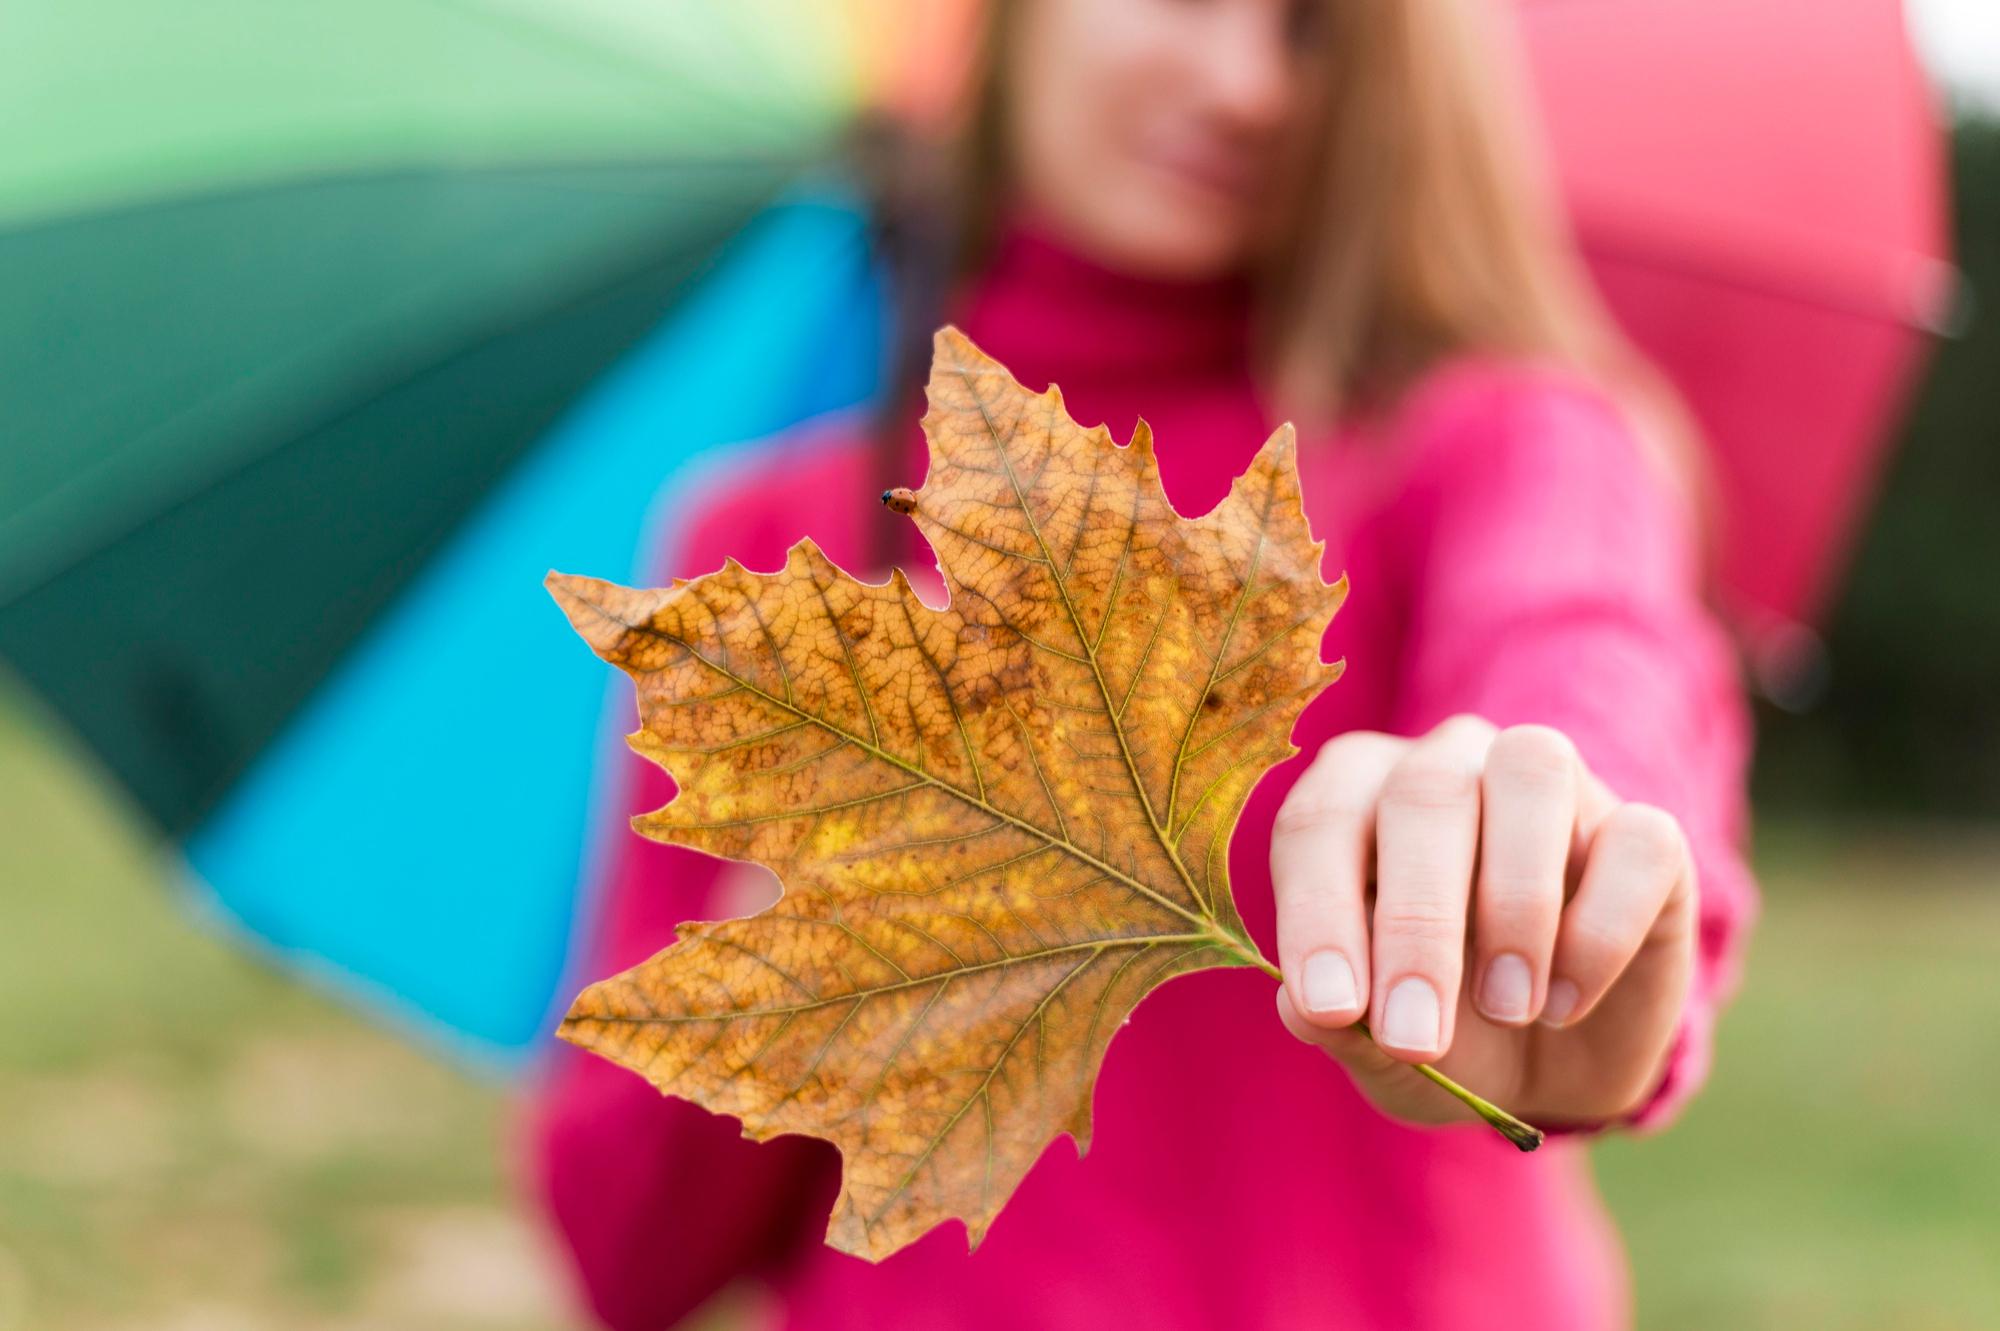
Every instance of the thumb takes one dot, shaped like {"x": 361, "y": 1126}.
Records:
{"x": 1348, "y": 1045}
{"x": 1393, "y": 1087}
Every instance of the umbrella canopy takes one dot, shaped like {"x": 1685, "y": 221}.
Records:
{"x": 335, "y": 326}
{"x": 1760, "y": 193}
{"x": 416, "y": 832}
{"x": 293, "y": 300}
{"x": 287, "y": 287}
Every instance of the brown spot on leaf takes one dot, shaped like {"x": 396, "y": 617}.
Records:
{"x": 966, "y": 806}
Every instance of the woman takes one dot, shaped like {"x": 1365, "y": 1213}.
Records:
{"x": 1512, "y": 844}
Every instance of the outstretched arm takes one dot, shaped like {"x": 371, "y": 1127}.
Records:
{"x": 1558, "y": 897}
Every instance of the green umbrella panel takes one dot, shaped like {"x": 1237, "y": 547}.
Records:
{"x": 285, "y": 288}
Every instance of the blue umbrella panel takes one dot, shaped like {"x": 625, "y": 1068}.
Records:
{"x": 416, "y": 834}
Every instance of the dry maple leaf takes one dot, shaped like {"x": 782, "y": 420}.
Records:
{"x": 998, "y": 825}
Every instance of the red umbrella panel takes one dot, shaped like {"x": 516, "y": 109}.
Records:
{"x": 1759, "y": 189}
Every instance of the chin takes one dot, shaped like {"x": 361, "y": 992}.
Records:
{"x": 1185, "y": 233}
{"x": 1176, "y": 252}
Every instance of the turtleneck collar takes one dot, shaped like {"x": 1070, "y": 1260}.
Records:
{"x": 1122, "y": 347}
{"x": 1050, "y": 312}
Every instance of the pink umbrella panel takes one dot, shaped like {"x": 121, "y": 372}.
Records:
{"x": 1761, "y": 199}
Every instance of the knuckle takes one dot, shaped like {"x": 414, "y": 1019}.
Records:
{"x": 1519, "y": 899}
{"x": 1464, "y": 725}
{"x": 1650, "y": 836}
{"x": 1590, "y": 946}
{"x": 1537, "y": 755}
{"x": 1429, "y": 783}
{"x": 1353, "y": 739}
{"x": 1316, "y": 814}
{"x": 1421, "y": 921}
{"x": 1353, "y": 746}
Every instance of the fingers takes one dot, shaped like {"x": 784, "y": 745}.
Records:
{"x": 1528, "y": 799}
{"x": 1638, "y": 866}
{"x": 1426, "y": 841}
{"x": 1319, "y": 875}
{"x": 1517, "y": 807}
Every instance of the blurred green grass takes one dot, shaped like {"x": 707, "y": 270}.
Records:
{"x": 1842, "y": 1170}
{"x": 191, "y": 1142}
{"x": 188, "y": 1140}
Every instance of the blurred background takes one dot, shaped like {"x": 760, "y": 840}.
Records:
{"x": 325, "y": 330}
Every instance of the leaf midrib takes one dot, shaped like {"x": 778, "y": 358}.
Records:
{"x": 909, "y": 982}
{"x": 1111, "y": 715}
{"x": 1207, "y": 924}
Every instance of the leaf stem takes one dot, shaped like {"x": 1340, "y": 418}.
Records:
{"x": 1523, "y": 1135}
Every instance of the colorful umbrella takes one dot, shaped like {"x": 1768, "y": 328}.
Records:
{"x": 337, "y": 326}
{"x": 288, "y": 286}
{"x": 293, "y": 297}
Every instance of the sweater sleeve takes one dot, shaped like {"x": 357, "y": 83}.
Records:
{"x": 1553, "y": 577}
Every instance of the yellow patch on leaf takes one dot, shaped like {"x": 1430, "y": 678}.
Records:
{"x": 998, "y": 825}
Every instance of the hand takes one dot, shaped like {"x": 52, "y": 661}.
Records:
{"x": 1524, "y": 930}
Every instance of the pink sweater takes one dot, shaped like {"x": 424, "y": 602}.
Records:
{"x": 1512, "y": 554}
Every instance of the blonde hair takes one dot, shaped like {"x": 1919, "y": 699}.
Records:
{"x": 1425, "y": 224}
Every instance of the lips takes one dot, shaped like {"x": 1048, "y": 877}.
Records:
{"x": 1206, "y": 166}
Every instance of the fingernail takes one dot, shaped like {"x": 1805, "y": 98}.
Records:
{"x": 1561, "y": 1002}
{"x": 1410, "y": 1019}
{"x": 1509, "y": 988}
{"x": 1328, "y": 982}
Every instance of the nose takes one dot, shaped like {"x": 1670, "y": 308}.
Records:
{"x": 1247, "y": 65}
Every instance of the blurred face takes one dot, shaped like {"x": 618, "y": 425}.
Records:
{"x": 1154, "y": 134}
